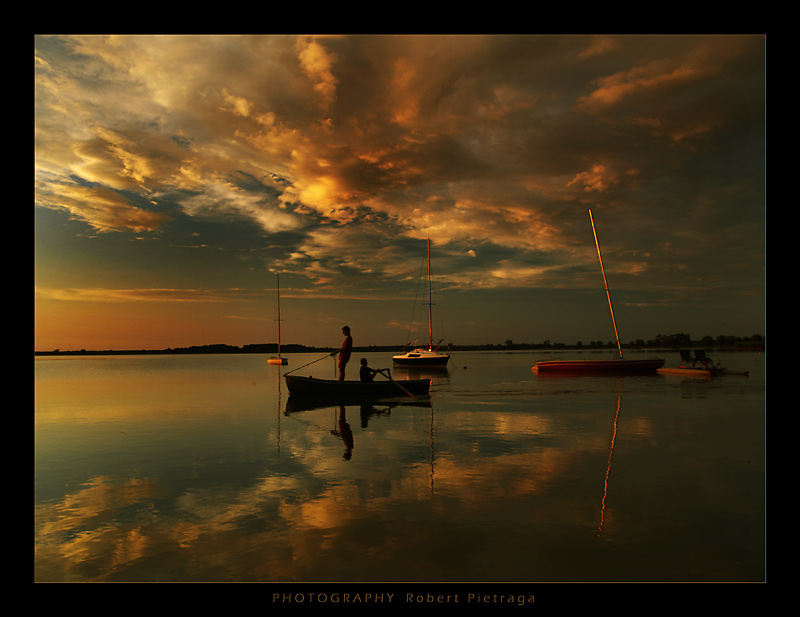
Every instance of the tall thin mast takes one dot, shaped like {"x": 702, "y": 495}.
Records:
{"x": 279, "y": 314}
{"x": 605, "y": 282}
{"x": 430, "y": 302}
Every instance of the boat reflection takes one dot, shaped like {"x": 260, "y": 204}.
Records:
{"x": 296, "y": 404}
{"x": 439, "y": 375}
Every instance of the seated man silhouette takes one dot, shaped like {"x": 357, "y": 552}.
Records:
{"x": 366, "y": 373}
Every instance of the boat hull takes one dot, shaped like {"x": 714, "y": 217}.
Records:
{"x": 340, "y": 391}
{"x": 278, "y": 361}
{"x": 421, "y": 358}
{"x": 700, "y": 372}
{"x": 686, "y": 372}
{"x": 592, "y": 367}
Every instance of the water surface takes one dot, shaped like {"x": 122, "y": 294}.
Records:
{"x": 199, "y": 468}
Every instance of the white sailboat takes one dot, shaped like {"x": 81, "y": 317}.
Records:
{"x": 278, "y": 360}
{"x": 426, "y": 356}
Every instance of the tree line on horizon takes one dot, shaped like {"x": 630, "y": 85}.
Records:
{"x": 661, "y": 341}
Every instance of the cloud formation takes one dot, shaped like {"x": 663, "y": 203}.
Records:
{"x": 353, "y": 149}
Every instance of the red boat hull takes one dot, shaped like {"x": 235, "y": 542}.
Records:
{"x": 589, "y": 367}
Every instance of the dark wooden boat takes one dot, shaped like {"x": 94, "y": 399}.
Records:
{"x": 341, "y": 391}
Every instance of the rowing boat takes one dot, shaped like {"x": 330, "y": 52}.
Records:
{"x": 356, "y": 390}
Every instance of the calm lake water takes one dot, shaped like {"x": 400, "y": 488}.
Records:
{"x": 192, "y": 468}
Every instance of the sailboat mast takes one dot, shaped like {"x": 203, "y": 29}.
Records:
{"x": 279, "y": 314}
{"x": 430, "y": 301}
{"x": 605, "y": 282}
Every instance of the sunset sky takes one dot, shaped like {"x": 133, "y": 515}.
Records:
{"x": 176, "y": 176}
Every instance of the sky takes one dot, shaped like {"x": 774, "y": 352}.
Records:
{"x": 179, "y": 178}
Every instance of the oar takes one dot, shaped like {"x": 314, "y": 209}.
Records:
{"x": 385, "y": 373}
{"x": 309, "y": 364}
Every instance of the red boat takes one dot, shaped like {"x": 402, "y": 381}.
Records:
{"x": 616, "y": 366}
{"x": 605, "y": 367}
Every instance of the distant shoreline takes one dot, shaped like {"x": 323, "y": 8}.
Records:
{"x": 273, "y": 348}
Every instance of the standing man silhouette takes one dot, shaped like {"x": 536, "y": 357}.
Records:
{"x": 344, "y": 351}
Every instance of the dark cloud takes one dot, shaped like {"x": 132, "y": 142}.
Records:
{"x": 347, "y": 151}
